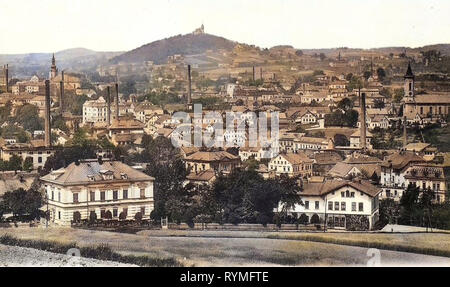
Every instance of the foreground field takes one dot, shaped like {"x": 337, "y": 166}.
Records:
{"x": 13, "y": 256}
{"x": 212, "y": 248}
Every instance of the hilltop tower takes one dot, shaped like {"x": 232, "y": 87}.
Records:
{"x": 53, "y": 69}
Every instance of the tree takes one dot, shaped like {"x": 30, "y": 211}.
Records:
{"x": 303, "y": 219}
{"x": 341, "y": 140}
{"x": 381, "y": 74}
{"x": 367, "y": 75}
{"x": 28, "y": 164}
{"x": 28, "y": 117}
{"x": 21, "y": 202}
{"x": 388, "y": 212}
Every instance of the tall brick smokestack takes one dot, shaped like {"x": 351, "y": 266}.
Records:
{"x": 7, "y": 78}
{"x": 108, "y": 109}
{"x": 61, "y": 93}
{"x": 363, "y": 121}
{"x": 189, "y": 99}
{"x": 253, "y": 73}
{"x": 117, "y": 101}
{"x": 405, "y": 138}
{"x": 48, "y": 129}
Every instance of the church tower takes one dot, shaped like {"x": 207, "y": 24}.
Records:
{"x": 53, "y": 70}
{"x": 409, "y": 85}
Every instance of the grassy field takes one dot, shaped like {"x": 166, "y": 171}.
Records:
{"x": 222, "y": 248}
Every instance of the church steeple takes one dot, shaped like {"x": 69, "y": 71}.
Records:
{"x": 409, "y": 85}
{"x": 53, "y": 69}
{"x": 409, "y": 74}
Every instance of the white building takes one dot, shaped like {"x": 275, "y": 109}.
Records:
{"x": 345, "y": 204}
{"x": 292, "y": 164}
{"x": 393, "y": 171}
{"x": 97, "y": 188}
{"x": 95, "y": 111}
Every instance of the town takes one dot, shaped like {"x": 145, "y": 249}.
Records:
{"x": 362, "y": 142}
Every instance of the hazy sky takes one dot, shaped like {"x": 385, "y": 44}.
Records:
{"x": 110, "y": 25}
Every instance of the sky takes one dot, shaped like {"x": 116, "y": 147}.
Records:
{"x": 112, "y": 25}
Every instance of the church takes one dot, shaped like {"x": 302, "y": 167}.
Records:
{"x": 429, "y": 107}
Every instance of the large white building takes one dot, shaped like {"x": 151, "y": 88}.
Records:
{"x": 95, "y": 111}
{"x": 345, "y": 204}
{"x": 97, "y": 188}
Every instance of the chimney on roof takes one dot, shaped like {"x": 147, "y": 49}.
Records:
{"x": 405, "y": 138}
{"x": 7, "y": 78}
{"x": 189, "y": 98}
{"x": 363, "y": 120}
{"x": 117, "y": 101}
{"x": 61, "y": 93}
{"x": 108, "y": 105}
{"x": 48, "y": 142}
{"x": 253, "y": 73}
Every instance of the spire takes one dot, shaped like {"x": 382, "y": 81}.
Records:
{"x": 53, "y": 59}
{"x": 409, "y": 73}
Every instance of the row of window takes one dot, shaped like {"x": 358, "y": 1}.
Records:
{"x": 115, "y": 195}
{"x": 342, "y": 206}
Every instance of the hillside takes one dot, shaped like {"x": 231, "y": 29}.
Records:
{"x": 188, "y": 44}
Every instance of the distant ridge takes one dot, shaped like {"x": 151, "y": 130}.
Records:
{"x": 189, "y": 44}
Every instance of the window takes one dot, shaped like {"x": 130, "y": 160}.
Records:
{"x": 347, "y": 193}
{"x": 142, "y": 193}
{"x": 115, "y": 212}
{"x": 353, "y": 206}
{"x": 352, "y": 194}
{"x": 115, "y": 195}
{"x": 40, "y": 159}
{"x": 102, "y": 213}
{"x": 361, "y": 206}
{"x": 59, "y": 214}
{"x": 343, "y": 206}
{"x": 102, "y": 196}
{"x": 75, "y": 197}
{"x": 306, "y": 204}
{"x": 336, "y": 205}
{"x": 53, "y": 194}
{"x": 342, "y": 194}
{"x": 92, "y": 196}
{"x": 143, "y": 210}
{"x": 317, "y": 205}
{"x": 125, "y": 193}
{"x": 330, "y": 205}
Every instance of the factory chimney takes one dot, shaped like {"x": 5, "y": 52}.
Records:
{"x": 48, "y": 129}
{"x": 7, "y": 78}
{"x": 108, "y": 103}
{"x": 260, "y": 73}
{"x": 117, "y": 101}
{"x": 253, "y": 73}
{"x": 362, "y": 139}
{"x": 61, "y": 93}
{"x": 189, "y": 99}
{"x": 405, "y": 138}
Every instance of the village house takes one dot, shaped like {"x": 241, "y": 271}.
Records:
{"x": 219, "y": 161}
{"x": 97, "y": 188}
{"x": 36, "y": 150}
{"x": 356, "y": 137}
{"x": 342, "y": 204}
{"x": 95, "y": 111}
{"x": 393, "y": 171}
{"x": 292, "y": 164}
{"x": 429, "y": 176}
